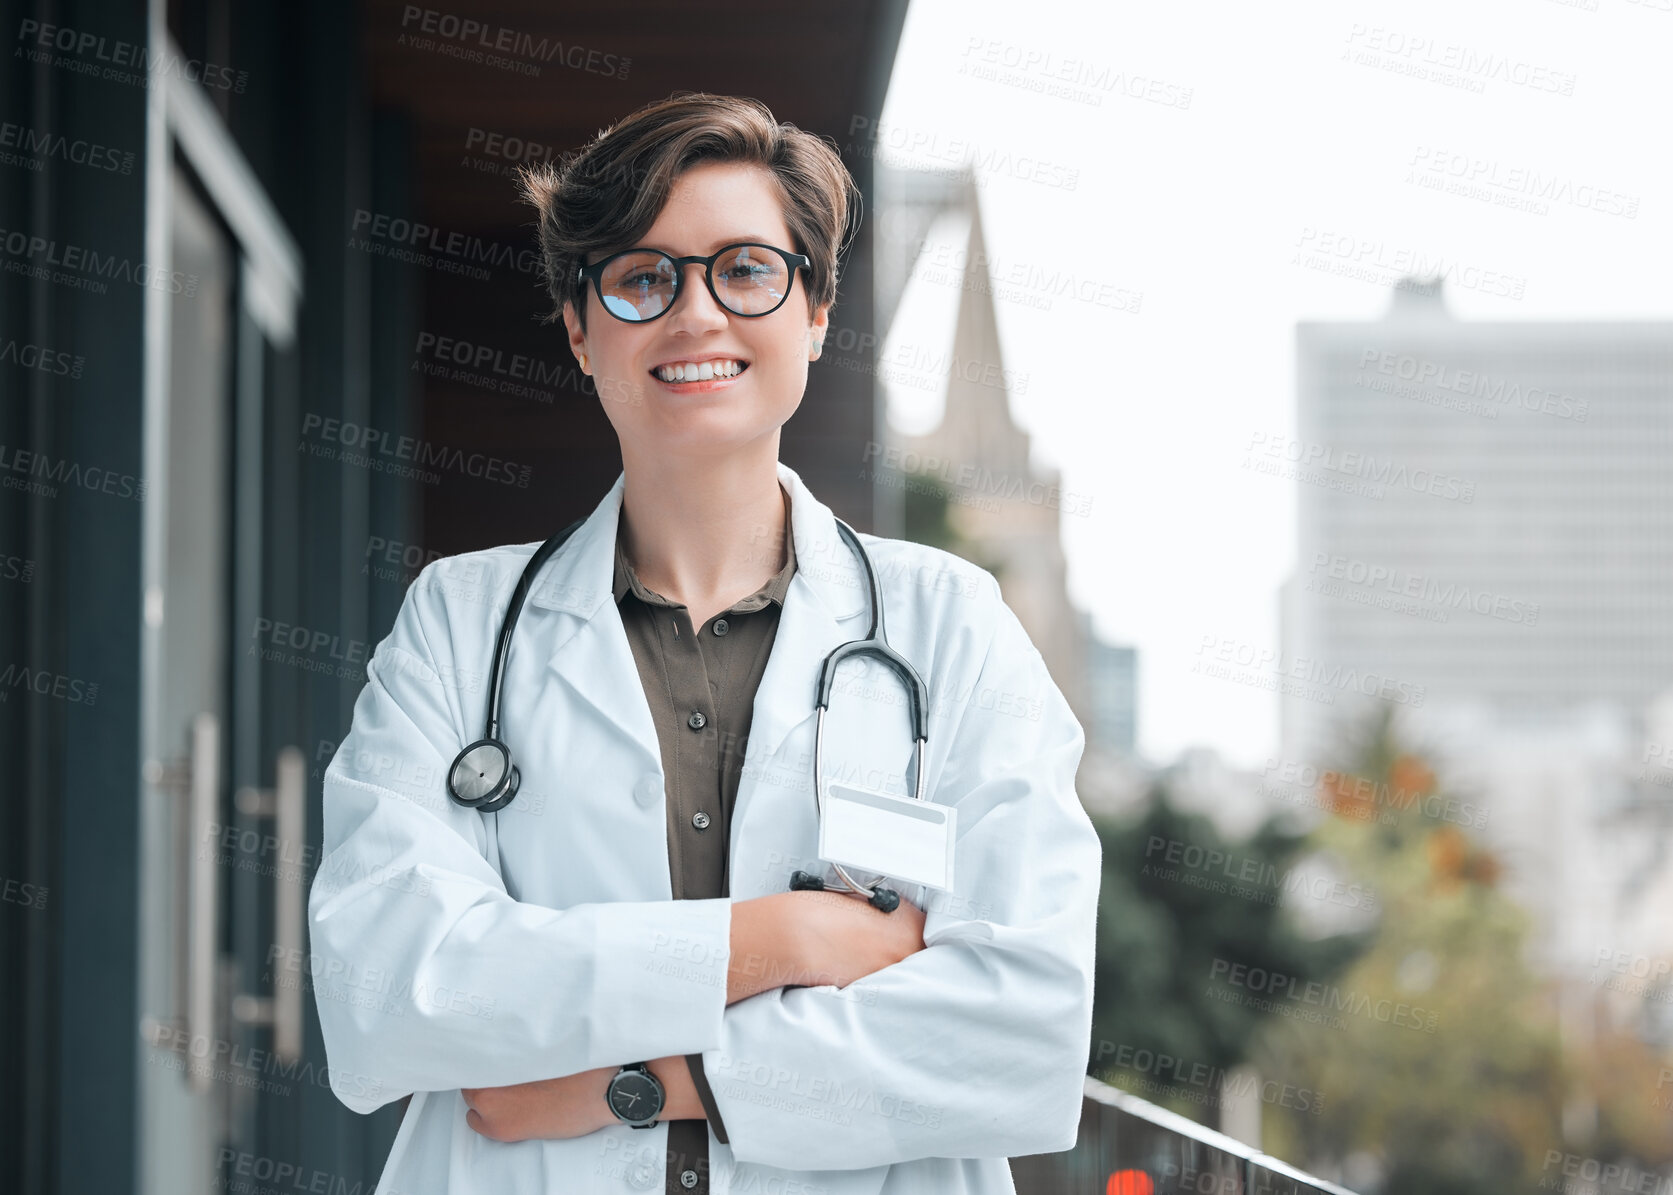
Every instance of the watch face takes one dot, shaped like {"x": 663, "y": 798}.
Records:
{"x": 635, "y": 1096}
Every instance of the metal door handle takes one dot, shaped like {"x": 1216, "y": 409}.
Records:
{"x": 286, "y": 804}
{"x": 195, "y": 779}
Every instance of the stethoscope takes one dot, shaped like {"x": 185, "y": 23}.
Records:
{"x": 484, "y": 778}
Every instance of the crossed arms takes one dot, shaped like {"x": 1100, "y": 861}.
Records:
{"x": 936, "y": 1035}
{"x": 786, "y": 939}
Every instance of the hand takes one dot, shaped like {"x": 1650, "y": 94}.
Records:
{"x": 841, "y": 938}
{"x": 571, "y": 1106}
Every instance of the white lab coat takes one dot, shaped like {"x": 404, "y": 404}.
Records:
{"x": 453, "y": 949}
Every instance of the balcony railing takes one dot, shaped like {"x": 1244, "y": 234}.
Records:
{"x": 1129, "y": 1146}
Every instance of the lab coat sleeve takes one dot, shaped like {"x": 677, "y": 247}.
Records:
{"x": 975, "y": 1046}
{"x": 427, "y": 975}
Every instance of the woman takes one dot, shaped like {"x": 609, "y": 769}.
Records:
{"x": 608, "y": 984}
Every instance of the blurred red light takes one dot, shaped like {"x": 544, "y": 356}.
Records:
{"x": 1129, "y": 1182}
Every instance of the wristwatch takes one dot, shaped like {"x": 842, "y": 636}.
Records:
{"x": 635, "y": 1095}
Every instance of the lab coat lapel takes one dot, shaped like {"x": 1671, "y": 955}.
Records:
{"x": 591, "y": 654}
{"x": 822, "y": 610}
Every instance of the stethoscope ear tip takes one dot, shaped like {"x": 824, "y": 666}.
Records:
{"x": 882, "y": 899}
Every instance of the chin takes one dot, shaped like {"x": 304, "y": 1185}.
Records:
{"x": 706, "y": 437}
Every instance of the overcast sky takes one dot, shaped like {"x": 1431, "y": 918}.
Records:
{"x": 1211, "y": 143}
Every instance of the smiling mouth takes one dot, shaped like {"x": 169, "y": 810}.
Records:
{"x": 706, "y": 371}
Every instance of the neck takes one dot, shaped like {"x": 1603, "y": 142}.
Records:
{"x": 704, "y": 532}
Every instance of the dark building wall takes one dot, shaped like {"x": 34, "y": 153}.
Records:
{"x": 333, "y": 121}
{"x": 70, "y": 608}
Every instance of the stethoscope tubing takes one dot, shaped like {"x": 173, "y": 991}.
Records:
{"x": 869, "y": 891}
{"x": 498, "y": 791}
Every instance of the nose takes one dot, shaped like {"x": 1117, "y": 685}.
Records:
{"x": 694, "y": 308}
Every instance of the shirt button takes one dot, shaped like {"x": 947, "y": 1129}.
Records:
{"x": 700, "y": 820}
{"x": 688, "y": 1179}
{"x": 720, "y": 626}
{"x": 697, "y": 721}
{"x": 643, "y": 1174}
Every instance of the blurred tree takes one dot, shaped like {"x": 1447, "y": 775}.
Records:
{"x": 1169, "y": 916}
{"x": 1632, "y": 1083}
{"x": 925, "y": 506}
{"x": 1463, "y": 1092}
{"x": 1471, "y": 1106}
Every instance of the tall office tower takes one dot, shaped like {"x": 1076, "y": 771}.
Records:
{"x": 1111, "y": 691}
{"x": 1486, "y": 544}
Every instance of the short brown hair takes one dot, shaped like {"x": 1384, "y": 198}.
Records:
{"x": 606, "y": 195}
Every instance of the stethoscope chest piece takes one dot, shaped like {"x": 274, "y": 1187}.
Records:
{"x": 483, "y": 777}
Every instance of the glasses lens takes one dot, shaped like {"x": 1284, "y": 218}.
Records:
{"x": 637, "y": 285}
{"x": 751, "y": 279}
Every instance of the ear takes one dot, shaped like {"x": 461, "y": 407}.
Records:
{"x": 577, "y": 338}
{"x": 816, "y": 329}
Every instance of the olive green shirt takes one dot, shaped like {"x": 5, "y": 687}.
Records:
{"x": 700, "y": 684}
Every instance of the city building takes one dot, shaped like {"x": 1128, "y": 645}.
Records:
{"x": 1112, "y": 683}
{"x": 1485, "y": 543}
{"x": 1003, "y": 509}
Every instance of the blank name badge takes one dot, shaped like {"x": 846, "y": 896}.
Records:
{"x": 905, "y": 839}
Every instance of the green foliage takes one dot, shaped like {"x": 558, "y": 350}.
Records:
{"x": 1438, "y": 1058}
{"x": 926, "y": 504}
{"x": 1467, "y": 1096}
{"x": 1162, "y": 927}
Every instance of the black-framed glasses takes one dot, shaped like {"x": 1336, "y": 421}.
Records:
{"x": 746, "y": 279}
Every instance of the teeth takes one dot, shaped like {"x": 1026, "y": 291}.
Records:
{"x": 685, "y": 371}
